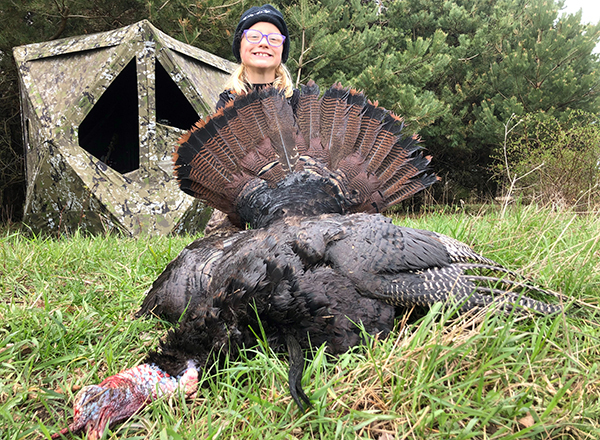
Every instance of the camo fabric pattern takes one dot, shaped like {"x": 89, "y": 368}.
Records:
{"x": 70, "y": 188}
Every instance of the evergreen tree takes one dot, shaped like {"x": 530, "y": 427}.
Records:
{"x": 351, "y": 42}
{"x": 507, "y": 56}
{"x": 207, "y": 24}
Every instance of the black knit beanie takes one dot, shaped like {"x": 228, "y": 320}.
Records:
{"x": 254, "y": 15}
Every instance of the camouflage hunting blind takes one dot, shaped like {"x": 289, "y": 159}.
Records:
{"x": 101, "y": 114}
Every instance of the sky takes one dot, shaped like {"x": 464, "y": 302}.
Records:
{"x": 591, "y": 9}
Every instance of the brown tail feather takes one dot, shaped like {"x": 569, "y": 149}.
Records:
{"x": 235, "y": 133}
{"x": 397, "y": 156}
{"x": 308, "y": 115}
{"x": 411, "y": 188}
{"x": 384, "y": 142}
{"x": 334, "y": 117}
{"x": 318, "y": 151}
{"x": 263, "y": 162}
{"x": 352, "y": 165}
{"x": 370, "y": 127}
{"x": 229, "y": 140}
{"x": 409, "y": 170}
{"x": 251, "y": 114}
{"x": 362, "y": 184}
{"x": 346, "y": 145}
{"x": 281, "y": 130}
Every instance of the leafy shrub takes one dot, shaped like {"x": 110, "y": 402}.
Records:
{"x": 552, "y": 161}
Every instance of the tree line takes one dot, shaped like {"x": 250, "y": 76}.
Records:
{"x": 457, "y": 70}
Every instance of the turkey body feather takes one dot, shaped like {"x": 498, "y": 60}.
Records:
{"x": 319, "y": 264}
{"x": 315, "y": 278}
{"x": 369, "y": 256}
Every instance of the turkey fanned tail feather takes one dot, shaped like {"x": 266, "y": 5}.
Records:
{"x": 341, "y": 140}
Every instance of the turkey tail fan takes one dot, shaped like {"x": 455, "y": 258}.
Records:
{"x": 366, "y": 145}
{"x": 251, "y": 137}
{"x": 257, "y": 159}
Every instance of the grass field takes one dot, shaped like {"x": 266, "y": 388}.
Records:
{"x": 66, "y": 314}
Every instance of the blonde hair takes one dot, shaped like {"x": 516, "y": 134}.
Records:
{"x": 239, "y": 84}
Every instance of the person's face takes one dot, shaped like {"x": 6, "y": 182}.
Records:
{"x": 261, "y": 56}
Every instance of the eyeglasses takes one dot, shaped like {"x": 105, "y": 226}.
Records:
{"x": 254, "y": 37}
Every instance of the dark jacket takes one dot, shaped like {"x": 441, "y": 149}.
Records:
{"x": 228, "y": 95}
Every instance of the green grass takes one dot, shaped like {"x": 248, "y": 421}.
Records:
{"x": 66, "y": 320}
